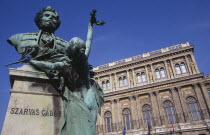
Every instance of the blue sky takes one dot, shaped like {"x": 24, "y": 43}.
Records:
{"x": 133, "y": 27}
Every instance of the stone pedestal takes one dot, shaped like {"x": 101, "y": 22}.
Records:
{"x": 35, "y": 108}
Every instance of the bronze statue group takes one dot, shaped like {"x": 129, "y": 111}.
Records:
{"x": 66, "y": 65}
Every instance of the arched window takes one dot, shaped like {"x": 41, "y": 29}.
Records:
{"x": 170, "y": 112}
{"x": 125, "y": 81}
{"x": 178, "y": 70}
{"x": 147, "y": 111}
{"x": 193, "y": 108}
{"x": 103, "y": 85}
{"x": 143, "y": 76}
{"x": 157, "y": 72}
{"x": 183, "y": 67}
{"x": 121, "y": 81}
{"x": 138, "y": 78}
{"x": 108, "y": 121}
{"x": 108, "y": 85}
{"x": 127, "y": 118}
{"x": 162, "y": 73}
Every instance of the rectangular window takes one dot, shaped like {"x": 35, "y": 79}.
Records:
{"x": 157, "y": 74}
{"x": 108, "y": 124}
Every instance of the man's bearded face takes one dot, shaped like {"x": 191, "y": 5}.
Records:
{"x": 48, "y": 21}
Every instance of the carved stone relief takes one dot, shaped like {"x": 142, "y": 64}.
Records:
{"x": 179, "y": 60}
{"x": 158, "y": 65}
{"x": 150, "y": 73}
{"x": 170, "y": 70}
{"x": 113, "y": 82}
{"x": 131, "y": 78}
{"x": 192, "y": 65}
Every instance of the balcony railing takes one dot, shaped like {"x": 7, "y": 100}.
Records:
{"x": 171, "y": 48}
{"x": 165, "y": 126}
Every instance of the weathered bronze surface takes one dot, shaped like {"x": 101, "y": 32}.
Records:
{"x": 66, "y": 65}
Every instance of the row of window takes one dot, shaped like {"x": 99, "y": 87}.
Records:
{"x": 106, "y": 85}
{"x": 123, "y": 82}
{"x": 141, "y": 77}
{"x": 180, "y": 68}
{"x": 169, "y": 109}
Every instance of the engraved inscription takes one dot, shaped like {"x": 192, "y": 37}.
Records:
{"x": 35, "y": 112}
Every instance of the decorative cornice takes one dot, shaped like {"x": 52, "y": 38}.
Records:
{"x": 146, "y": 60}
{"x": 168, "y": 84}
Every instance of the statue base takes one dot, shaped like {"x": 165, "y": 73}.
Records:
{"x": 35, "y": 107}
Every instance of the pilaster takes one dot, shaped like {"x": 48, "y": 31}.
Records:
{"x": 119, "y": 115}
{"x": 134, "y": 77}
{"x": 160, "y": 108}
{"x": 147, "y": 74}
{"x": 188, "y": 64}
{"x": 177, "y": 104}
{"x": 183, "y": 105}
{"x": 166, "y": 69}
{"x": 101, "y": 126}
{"x": 153, "y": 73}
{"x": 116, "y": 81}
{"x": 196, "y": 66}
{"x": 129, "y": 79}
{"x": 133, "y": 112}
{"x": 200, "y": 100}
{"x": 155, "y": 109}
{"x": 110, "y": 82}
{"x": 138, "y": 113}
{"x": 113, "y": 115}
{"x": 172, "y": 66}
{"x": 205, "y": 95}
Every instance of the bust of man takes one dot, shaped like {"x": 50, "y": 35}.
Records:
{"x": 47, "y": 20}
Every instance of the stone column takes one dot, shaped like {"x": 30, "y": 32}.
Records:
{"x": 183, "y": 105}
{"x": 133, "y": 112}
{"x": 110, "y": 82}
{"x": 119, "y": 116}
{"x": 128, "y": 78}
{"x": 178, "y": 106}
{"x": 172, "y": 66}
{"x": 160, "y": 109}
{"x": 155, "y": 109}
{"x": 147, "y": 74}
{"x": 113, "y": 82}
{"x": 170, "y": 69}
{"x": 200, "y": 100}
{"x": 196, "y": 66}
{"x": 205, "y": 95}
{"x": 134, "y": 77}
{"x": 166, "y": 69}
{"x": 152, "y": 70}
{"x": 138, "y": 115}
{"x": 188, "y": 64}
{"x": 103, "y": 122}
{"x": 116, "y": 81}
{"x": 113, "y": 116}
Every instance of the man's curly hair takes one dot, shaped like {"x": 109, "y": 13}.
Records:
{"x": 39, "y": 15}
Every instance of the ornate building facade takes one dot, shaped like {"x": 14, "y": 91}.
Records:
{"x": 159, "y": 92}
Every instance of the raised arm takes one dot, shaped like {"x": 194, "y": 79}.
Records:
{"x": 90, "y": 31}
{"x": 89, "y": 38}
